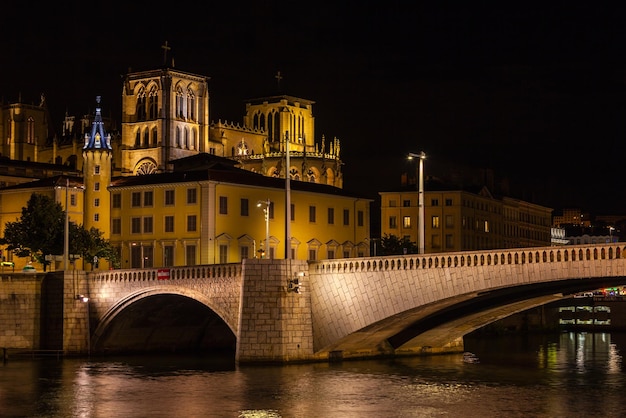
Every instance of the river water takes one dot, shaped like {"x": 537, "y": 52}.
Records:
{"x": 561, "y": 375}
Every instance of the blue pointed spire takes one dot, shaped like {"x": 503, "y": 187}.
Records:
{"x": 98, "y": 139}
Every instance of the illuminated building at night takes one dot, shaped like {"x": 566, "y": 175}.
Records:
{"x": 174, "y": 189}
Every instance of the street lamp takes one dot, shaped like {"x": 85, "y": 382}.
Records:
{"x": 265, "y": 204}
{"x": 420, "y": 190}
{"x": 611, "y": 229}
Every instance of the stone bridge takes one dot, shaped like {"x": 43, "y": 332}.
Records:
{"x": 344, "y": 308}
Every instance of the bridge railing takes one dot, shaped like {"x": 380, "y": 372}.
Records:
{"x": 169, "y": 273}
{"x": 559, "y": 254}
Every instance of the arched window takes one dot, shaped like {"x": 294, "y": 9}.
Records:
{"x": 140, "y": 109}
{"x": 177, "y": 143}
{"x": 155, "y": 137}
{"x": 179, "y": 103}
{"x": 153, "y": 101}
{"x": 30, "y": 134}
{"x": 138, "y": 138}
{"x": 191, "y": 104}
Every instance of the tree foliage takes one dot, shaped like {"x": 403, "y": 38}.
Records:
{"x": 40, "y": 231}
{"x": 392, "y": 245}
{"x": 92, "y": 246}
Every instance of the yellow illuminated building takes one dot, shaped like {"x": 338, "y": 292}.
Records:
{"x": 175, "y": 189}
{"x": 458, "y": 220}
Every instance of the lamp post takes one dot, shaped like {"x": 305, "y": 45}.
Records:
{"x": 66, "y": 239}
{"x": 266, "y": 211}
{"x": 420, "y": 190}
{"x": 611, "y": 229}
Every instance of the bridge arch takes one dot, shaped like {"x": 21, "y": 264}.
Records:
{"x": 138, "y": 322}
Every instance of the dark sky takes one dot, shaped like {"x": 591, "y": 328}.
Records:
{"x": 535, "y": 92}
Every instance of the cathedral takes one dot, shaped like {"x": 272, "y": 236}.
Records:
{"x": 173, "y": 188}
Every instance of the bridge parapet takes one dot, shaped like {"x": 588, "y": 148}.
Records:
{"x": 169, "y": 273}
{"x": 535, "y": 255}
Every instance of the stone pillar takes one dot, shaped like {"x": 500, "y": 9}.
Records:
{"x": 76, "y": 323}
{"x": 275, "y": 322}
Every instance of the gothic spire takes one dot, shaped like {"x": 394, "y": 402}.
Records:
{"x": 98, "y": 139}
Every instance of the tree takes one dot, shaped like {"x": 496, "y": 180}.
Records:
{"x": 39, "y": 230}
{"x": 392, "y": 245}
{"x": 91, "y": 245}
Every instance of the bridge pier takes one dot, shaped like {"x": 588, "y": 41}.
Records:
{"x": 275, "y": 324}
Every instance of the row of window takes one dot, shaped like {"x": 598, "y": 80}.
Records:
{"x": 142, "y": 256}
{"x": 146, "y": 199}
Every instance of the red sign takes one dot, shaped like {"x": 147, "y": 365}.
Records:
{"x": 163, "y": 274}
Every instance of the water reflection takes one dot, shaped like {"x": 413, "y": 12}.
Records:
{"x": 541, "y": 376}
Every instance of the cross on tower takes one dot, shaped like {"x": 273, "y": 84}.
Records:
{"x": 278, "y": 77}
{"x": 165, "y": 49}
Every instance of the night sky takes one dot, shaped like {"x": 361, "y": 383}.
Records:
{"x": 535, "y": 92}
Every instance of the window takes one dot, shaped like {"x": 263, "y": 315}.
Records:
{"x": 449, "y": 221}
{"x": 135, "y": 225}
{"x": 435, "y": 222}
{"x": 72, "y": 199}
{"x": 191, "y": 196}
{"x": 393, "y": 222}
{"x": 148, "y": 198}
{"x": 223, "y": 205}
{"x": 169, "y": 197}
{"x": 168, "y": 256}
{"x": 116, "y": 226}
{"x": 96, "y": 169}
{"x": 190, "y": 255}
{"x": 406, "y": 222}
{"x": 96, "y": 186}
{"x": 360, "y": 216}
{"x": 392, "y": 203}
{"x": 135, "y": 199}
{"x": 406, "y": 203}
{"x": 448, "y": 202}
{"x": 96, "y": 217}
{"x": 311, "y": 213}
{"x": 169, "y": 223}
{"x": 271, "y": 208}
{"x": 191, "y": 223}
{"x": 331, "y": 254}
{"x": 346, "y": 217}
{"x": 223, "y": 253}
{"x": 312, "y": 254}
{"x": 434, "y": 202}
{"x": 148, "y": 225}
{"x": 449, "y": 241}
{"x": 148, "y": 256}
{"x": 331, "y": 216}
{"x": 96, "y": 202}
{"x": 116, "y": 200}
{"x": 486, "y": 226}
{"x": 244, "y": 207}
{"x": 244, "y": 251}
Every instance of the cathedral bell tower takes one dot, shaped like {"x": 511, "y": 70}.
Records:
{"x": 97, "y": 154}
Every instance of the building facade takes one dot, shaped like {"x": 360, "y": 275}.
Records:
{"x": 173, "y": 189}
{"x": 458, "y": 220}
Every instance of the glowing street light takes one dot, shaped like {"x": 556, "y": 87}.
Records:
{"x": 265, "y": 204}
{"x": 420, "y": 190}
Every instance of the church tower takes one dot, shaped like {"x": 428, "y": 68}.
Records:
{"x": 165, "y": 116}
{"x": 97, "y": 154}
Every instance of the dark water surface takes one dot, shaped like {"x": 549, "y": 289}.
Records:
{"x": 563, "y": 375}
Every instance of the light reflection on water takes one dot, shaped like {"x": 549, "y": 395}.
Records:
{"x": 543, "y": 376}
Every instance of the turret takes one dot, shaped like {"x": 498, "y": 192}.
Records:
{"x": 97, "y": 154}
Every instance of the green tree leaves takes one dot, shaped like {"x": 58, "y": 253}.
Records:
{"x": 40, "y": 231}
